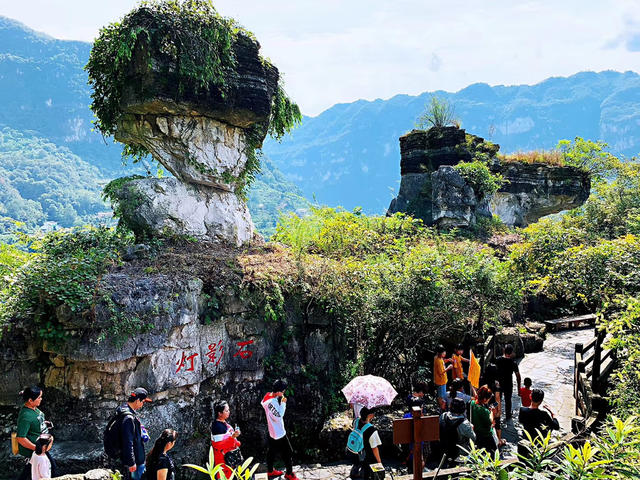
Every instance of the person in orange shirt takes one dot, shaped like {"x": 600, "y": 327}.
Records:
{"x": 440, "y": 376}
{"x": 456, "y": 362}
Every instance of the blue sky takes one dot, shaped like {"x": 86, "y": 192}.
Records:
{"x": 334, "y": 51}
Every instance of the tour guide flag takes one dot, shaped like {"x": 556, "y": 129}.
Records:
{"x": 474, "y": 371}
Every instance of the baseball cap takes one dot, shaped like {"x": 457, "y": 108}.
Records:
{"x": 139, "y": 394}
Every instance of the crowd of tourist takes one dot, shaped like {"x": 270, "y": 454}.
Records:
{"x": 467, "y": 415}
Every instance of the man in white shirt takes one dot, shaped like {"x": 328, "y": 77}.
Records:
{"x": 275, "y": 405}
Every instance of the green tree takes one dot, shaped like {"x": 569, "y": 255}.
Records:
{"x": 591, "y": 156}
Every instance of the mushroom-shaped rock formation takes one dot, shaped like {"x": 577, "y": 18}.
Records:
{"x": 432, "y": 190}
{"x": 192, "y": 90}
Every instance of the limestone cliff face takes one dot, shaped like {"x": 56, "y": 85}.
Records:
{"x": 201, "y": 136}
{"x": 431, "y": 189}
{"x": 204, "y": 337}
{"x": 536, "y": 190}
{"x": 160, "y": 205}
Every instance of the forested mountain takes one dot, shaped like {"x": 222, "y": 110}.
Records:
{"x": 52, "y": 165}
{"x": 349, "y": 155}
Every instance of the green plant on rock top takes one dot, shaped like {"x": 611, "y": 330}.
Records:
{"x": 64, "y": 271}
{"x": 438, "y": 113}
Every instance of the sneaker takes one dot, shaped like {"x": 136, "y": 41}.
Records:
{"x": 274, "y": 473}
{"x": 291, "y": 476}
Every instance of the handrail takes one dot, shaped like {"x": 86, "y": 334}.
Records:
{"x": 590, "y": 383}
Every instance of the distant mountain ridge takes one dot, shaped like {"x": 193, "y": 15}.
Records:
{"x": 45, "y": 114}
{"x": 349, "y": 155}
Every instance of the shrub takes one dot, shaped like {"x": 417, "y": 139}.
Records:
{"x": 480, "y": 178}
{"x": 613, "y": 455}
{"x": 338, "y": 233}
{"x": 64, "y": 270}
{"x": 394, "y": 288}
{"x": 584, "y": 277}
{"x": 439, "y": 113}
{"x": 590, "y": 156}
{"x": 622, "y": 321}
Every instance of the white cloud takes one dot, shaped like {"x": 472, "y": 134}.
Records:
{"x": 339, "y": 51}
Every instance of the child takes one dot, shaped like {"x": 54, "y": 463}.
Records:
{"x": 456, "y": 361}
{"x": 440, "y": 376}
{"x": 525, "y": 393}
{"x": 40, "y": 463}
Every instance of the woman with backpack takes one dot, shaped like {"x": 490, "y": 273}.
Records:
{"x": 159, "y": 464}
{"x": 363, "y": 444}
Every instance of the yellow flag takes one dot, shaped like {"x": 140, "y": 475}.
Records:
{"x": 474, "y": 371}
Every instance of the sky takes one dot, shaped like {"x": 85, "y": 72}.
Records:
{"x": 339, "y": 51}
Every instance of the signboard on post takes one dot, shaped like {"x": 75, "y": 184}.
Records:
{"x": 414, "y": 430}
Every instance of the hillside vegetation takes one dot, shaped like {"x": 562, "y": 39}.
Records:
{"x": 393, "y": 286}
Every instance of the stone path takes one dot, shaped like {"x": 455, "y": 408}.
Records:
{"x": 552, "y": 371}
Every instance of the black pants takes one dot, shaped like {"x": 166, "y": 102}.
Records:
{"x": 26, "y": 471}
{"x": 507, "y": 393}
{"x": 282, "y": 446}
{"x": 486, "y": 442}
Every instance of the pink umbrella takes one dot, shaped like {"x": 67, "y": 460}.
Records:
{"x": 370, "y": 391}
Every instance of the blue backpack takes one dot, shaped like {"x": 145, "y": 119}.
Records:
{"x": 355, "y": 442}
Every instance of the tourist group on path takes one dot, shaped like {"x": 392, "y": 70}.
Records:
{"x": 483, "y": 406}
{"x": 125, "y": 438}
{"x": 467, "y": 414}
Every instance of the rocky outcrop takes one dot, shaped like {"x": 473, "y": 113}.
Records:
{"x": 190, "y": 337}
{"x": 165, "y": 206}
{"x": 535, "y": 190}
{"x": 155, "y": 88}
{"x": 195, "y": 149}
{"x": 454, "y": 203}
{"x": 431, "y": 189}
{"x": 203, "y": 136}
{"x": 97, "y": 474}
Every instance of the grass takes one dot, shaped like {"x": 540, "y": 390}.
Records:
{"x": 550, "y": 157}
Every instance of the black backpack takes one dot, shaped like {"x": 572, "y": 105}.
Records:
{"x": 112, "y": 437}
{"x": 449, "y": 436}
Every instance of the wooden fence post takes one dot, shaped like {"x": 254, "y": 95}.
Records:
{"x": 576, "y": 377}
{"x": 417, "y": 443}
{"x": 597, "y": 361}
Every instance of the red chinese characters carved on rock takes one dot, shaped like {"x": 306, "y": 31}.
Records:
{"x": 244, "y": 354}
{"x": 181, "y": 363}
{"x": 215, "y": 352}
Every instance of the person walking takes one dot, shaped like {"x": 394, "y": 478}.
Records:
{"x": 224, "y": 439}
{"x": 275, "y": 405}
{"x": 371, "y": 441}
{"x": 535, "y": 421}
{"x": 32, "y": 424}
{"x": 132, "y": 455}
{"x": 506, "y": 368}
{"x": 159, "y": 464}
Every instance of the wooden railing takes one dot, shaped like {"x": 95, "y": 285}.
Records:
{"x": 592, "y": 366}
